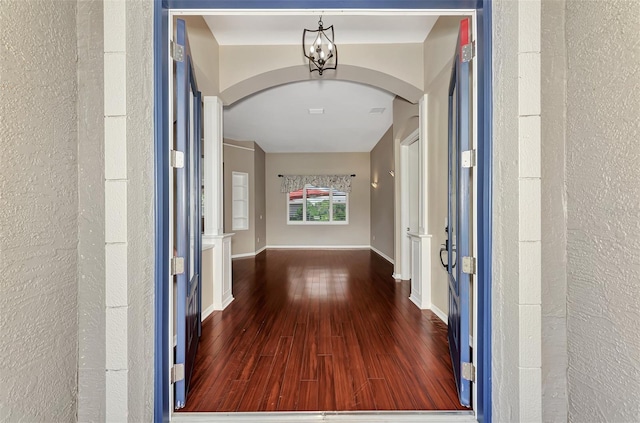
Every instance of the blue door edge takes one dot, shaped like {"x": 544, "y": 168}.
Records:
{"x": 161, "y": 174}
{"x": 161, "y": 406}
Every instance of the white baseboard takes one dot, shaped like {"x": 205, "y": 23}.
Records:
{"x": 226, "y": 302}
{"x": 206, "y": 312}
{"x": 383, "y": 255}
{"x": 440, "y": 314}
{"x": 417, "y": 301}
{"x": 318, "y": 247}
{"x": 244, "y": 255}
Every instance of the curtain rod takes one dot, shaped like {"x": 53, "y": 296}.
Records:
{"x": 353, "y": 175}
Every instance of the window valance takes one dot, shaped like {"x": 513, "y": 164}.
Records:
{"x": 292, "y": 183}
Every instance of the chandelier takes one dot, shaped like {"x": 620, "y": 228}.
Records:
{"x": 319, "y": 48}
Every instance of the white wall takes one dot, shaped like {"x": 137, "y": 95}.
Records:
{"x": 516, "y": 284}
{"x": 602, "y": 209}
{"x": 356, "y": 233}
{"x": 38, "y": 211}
{"x": 129, "y": 211}
{"x": 405, "y": 122}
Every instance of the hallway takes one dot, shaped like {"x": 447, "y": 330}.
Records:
{"x": 321, "y": 331}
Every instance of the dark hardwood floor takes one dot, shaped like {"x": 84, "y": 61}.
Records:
{"x": 321, "y": 331}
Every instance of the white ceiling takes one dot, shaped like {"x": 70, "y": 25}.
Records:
{"x": 349, "y": 29}
{"x": 278, "y": 119}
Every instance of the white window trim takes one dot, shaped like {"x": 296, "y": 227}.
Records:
{"x": 304, "y": 210}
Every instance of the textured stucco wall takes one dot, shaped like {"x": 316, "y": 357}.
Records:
{"x": 506, "y": 392}
{"x": 91, "y": 212}
{"x": 554, "y": 219}
{"x": 140, "y": 205}
{"x": 38, "y": 211}
{"x": 382, "y": 197}
{"x": 603, "y": 203}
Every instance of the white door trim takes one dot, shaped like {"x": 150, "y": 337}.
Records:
{"x": 403, "y": 261}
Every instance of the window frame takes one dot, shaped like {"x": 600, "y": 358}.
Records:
{"x": 304, "y": 208}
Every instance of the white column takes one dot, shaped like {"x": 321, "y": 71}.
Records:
{"x": 420, "y": 270}
{"x": 423, "y": 223}
{"x": 214, "y": 204}
{"x": 421, "y": 241}
{"x": 213, "y": 188}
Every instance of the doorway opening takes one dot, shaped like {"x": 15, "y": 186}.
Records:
{"x": 478, "y": 407}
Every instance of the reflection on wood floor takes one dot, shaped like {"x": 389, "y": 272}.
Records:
{"x": 321, "y": 331}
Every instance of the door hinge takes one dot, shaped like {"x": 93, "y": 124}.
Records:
{"x": 468, "y": 52}
{"x": 468, "y": 372}
{"x": 177, "y": 373}
{"x": 177, "y": 266}
{"x": 177, "y": 52}
{"x": 177, "y": 159}
{"x": 469, "y": 265}
{"x": 468, "y": 158}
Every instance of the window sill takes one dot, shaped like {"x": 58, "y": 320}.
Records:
{"x": 317, "y": 223}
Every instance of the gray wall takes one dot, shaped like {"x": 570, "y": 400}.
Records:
{"x": 439, "y": 48}
{"x": 204, "y": 50}
{"x": 554, "y": 222}
{"x": 260, "y": 203}
{"x": 239, "y": 160}
{"x": 382, "y": 197}
{"x": 279, "y": 233}
{"x": 38, "y": 211}
{"x": 603, "y": 210}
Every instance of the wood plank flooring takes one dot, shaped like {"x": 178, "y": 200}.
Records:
{"x": 321, "y": 330}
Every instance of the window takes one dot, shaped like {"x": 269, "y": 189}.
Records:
{"x": 317, "y": 205}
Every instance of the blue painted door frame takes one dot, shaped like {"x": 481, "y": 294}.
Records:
{"x": 161, "y": 189}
